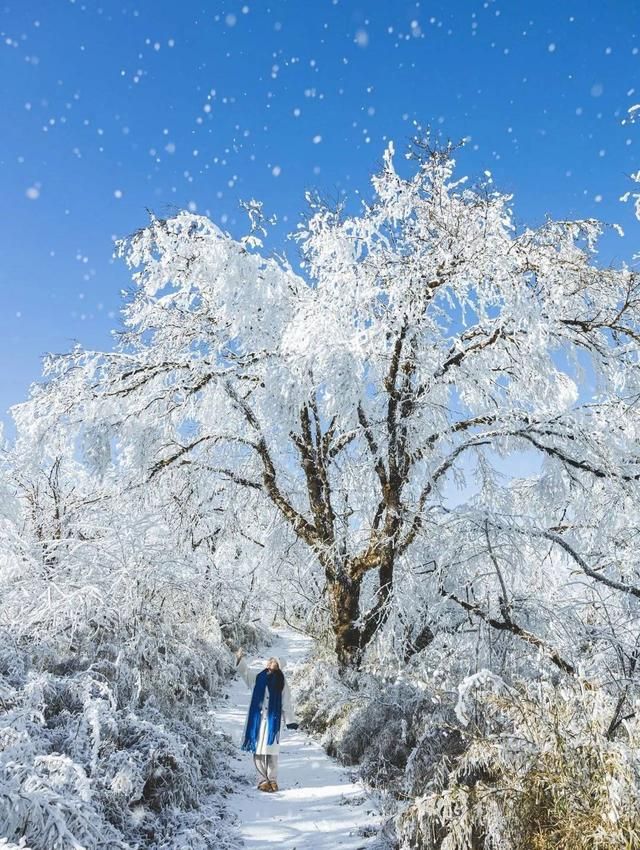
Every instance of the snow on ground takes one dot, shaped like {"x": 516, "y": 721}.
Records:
{"x": 319, "y": 806}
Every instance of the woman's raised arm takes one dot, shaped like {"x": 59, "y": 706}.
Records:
{"x": 247, "y": 674}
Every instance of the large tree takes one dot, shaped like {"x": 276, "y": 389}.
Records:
{"x": 425, "y": 334}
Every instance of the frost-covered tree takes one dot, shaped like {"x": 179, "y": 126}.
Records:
{"x": 428, "y": 337}
{"x": 111, "y": 651}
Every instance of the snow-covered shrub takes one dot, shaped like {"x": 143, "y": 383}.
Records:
{"x": 111, "y": 655}
{"x": 390, "y": 728}
{"x": 324, "y": 701}
{"x": 89, "y": 760}
{"x": 546, "y": 773}
{"x": 111, "y": 751}
{"x": 249, "y": 635}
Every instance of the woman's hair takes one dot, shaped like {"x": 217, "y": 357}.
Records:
{"x": 278, "y": 677}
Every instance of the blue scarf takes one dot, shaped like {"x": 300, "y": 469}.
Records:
{"x": 264, "y": 680}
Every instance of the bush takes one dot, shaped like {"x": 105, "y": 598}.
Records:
{"x": 110, "y": 744}
{"x": 543, "y": 774}
{"x": 391, "y": 729}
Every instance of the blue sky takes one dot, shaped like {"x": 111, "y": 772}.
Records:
{"x": 112, "y": 108}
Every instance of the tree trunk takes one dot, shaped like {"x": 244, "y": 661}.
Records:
{"x": 344, "y": 596}
{"x": 353, "y": 629}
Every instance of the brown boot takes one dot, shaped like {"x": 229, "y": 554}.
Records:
{"x": 265, "y": 785}
{"x": 274, "y": 786}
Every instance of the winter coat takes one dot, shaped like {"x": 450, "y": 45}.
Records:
{"x": 288, "y": 716}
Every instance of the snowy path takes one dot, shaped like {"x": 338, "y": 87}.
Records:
{"x": 318, "y": 807}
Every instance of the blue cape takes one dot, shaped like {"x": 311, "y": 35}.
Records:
{"x": 264, "y": 681}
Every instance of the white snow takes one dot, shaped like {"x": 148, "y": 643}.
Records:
{"x": 319, "y": 806}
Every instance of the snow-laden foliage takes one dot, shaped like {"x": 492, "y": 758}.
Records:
{"x": 396, "y": 730}
{"x": 492, "y": 766}
{"x": 111, "y": 653}
{"x": 96, "y": 750}
{"x": 635, "y": 196}
{"x": 327, "y": 421}
{"x": 540, "y": 773}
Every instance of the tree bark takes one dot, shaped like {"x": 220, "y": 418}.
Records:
{"x": 344, "y": 598}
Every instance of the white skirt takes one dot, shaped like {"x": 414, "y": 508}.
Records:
{"x": 263, "y": 748}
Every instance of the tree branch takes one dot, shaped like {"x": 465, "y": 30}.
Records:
{"x": 515, "y": 629}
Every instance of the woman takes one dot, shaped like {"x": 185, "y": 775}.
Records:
{"x": 270, "y": 704}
